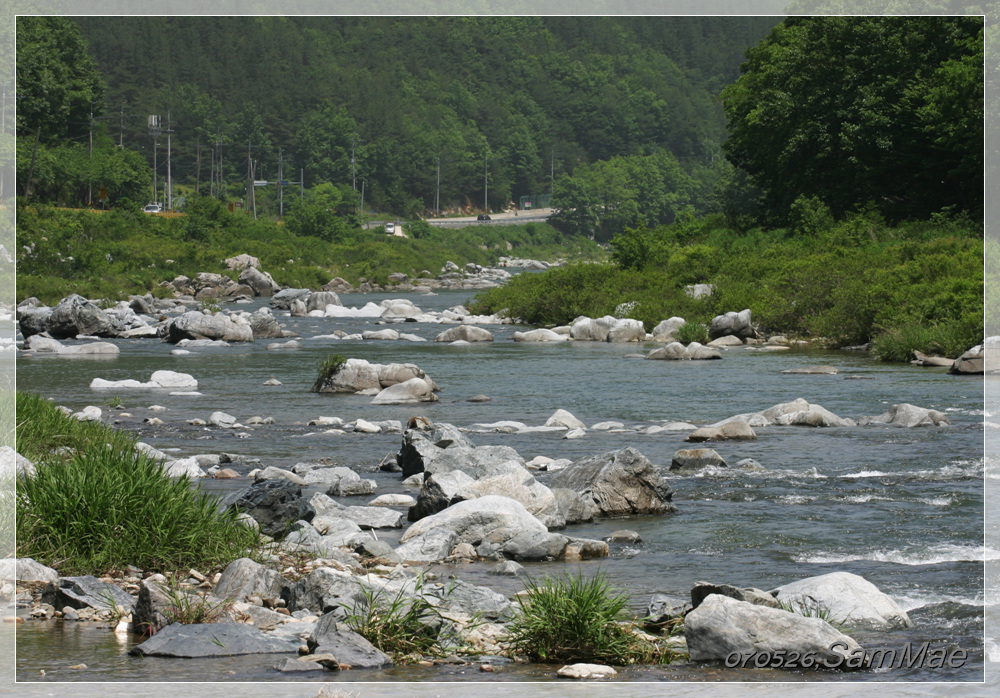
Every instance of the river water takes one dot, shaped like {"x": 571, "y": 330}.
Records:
{"x": 903, "y": 508}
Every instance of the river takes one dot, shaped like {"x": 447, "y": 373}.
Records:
{"x": 903, "y": 508}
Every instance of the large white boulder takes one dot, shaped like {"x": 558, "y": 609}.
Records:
{"x": 474, "y": 519}
{"x": 721, "y": 626}
{"x": 410, "y": 391}
{"x": 851, "y": 601}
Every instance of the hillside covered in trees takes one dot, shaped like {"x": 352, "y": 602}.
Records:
{"x": 434, "y": 111}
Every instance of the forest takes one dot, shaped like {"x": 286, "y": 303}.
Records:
{"x": 424, "y": 111}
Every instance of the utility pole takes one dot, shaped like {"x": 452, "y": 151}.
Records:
{"x": 170, "y": 183}
{"x": 197, "y": 169}
{"x": 121, "y": 127}
{"x": 281, "y": 188}
{"x": 250, "y": 193}
{"x": 437, "y": 194}
{"x": 552, "y": 174}
{"x": 302, "y": 183}
{"x": 354, "y": 184}
{"x": 3, "y": 130}
{"x": 486, "y": 185}
{"x": 90, "y": 150}
{"x": 361, "y": 209}
{"x": 153, "y": 123}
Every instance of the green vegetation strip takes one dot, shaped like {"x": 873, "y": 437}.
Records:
{"x": 96, "y": 504}
{"x": 916, "y": 285}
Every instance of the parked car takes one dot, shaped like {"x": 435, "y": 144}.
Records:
{"x": 483, "y": 217}
{"x": 153, "y": 208}
{"x": 390, "y": 228}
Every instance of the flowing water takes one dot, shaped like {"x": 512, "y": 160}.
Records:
{"x": 903, "y": 508}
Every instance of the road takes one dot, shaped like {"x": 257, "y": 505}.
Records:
{"x": 538, "y": 215}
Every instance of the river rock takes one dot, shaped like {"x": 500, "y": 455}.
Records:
{"x": 86, "y": 592}
{"x": 699, "y": 290}
{"x": 813, "y": 416}
{"x": 243, "y": 578}
{"x": 472, "y": 520}
{"x": 347, "y": 646}
{"x": 562, "y": 418}
{"x": 465, "y": 333}
{"x": 242, "y": 261}
{"x": 971, "y": 362}
{"x": 696, "y": 459}
{"x": 732, "y": 323}
{"x": 213, "y": 640}
{"x": 726, "y": 341}
{"x": 26, "y": 569}
{"x": 155, "y": 606}
{"x": 320, "y": 299}
{"x": 411, "y": 391}
{"x": 398, "y": 309}
{"x": 907, "y": 415}
{"x": 75, "y": 315}
{"x": 627, "y": 330}
{"x": 420, "y": 447}
{"x": 33, "y": 320}
{"x": 322, "y": 590}
{"x": 586, "y": 671}
{"x": 592, "y": 330}
{"x": 520, "y": 485}
{"x": 539, "y": 335}
{"x": 196, "y": 325}
{"x": 703, "y": 590}
{"x": 618, "y": 483}
{"x": 852, "y": 601}
{"x": 355, "y": 376}
{"x": 721, "y": 626}
{"x": 439, "y": 491}
{"x": 365, "y": 517}
{"x": 731, "y": 430}
{"x": 664, "y": 331}
{"x": 264, "y": 325}
{"x": 260, "y": 281}
{"x": 274, "y": 504}
{"x": 431, "y": 545}
{"x": 282, "y": 300}
{"x": 477, "y": 462}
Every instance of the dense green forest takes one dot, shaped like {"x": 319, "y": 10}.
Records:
{"x": 471, "y": 102}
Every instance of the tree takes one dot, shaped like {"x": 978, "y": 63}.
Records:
{"x": 58, "y": 84}
{"x": 328, "y": 213}
{"x": 852, "y": 109}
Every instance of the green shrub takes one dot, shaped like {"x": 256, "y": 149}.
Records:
{"x": 691, "y": 332}
{"x": 328, "y": 368}
{"x": 106, "y": 506}
{"x": 574, "y": 619}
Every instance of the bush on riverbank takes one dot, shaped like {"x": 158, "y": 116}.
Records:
{"x": 850, "y": 282}
{"x": 573, "y": 619}
{"x": 97, "y": 504}
{"x": 122, "y": 252}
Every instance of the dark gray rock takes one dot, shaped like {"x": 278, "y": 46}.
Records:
{"x": 213, "y": 640}
{"x": 349, "y": 647}
{"x": 260, "y": 281}
{"x": 274, "y": 504}
{"x": 421, "y": 446}
{"x": 33, "y": 321}
{"x": 663, "y": 610}
{"x": 323, "y": 590}
{"x": 76, "y": 315}
{"x": 696, "y": 459}
{"x": 619, "y": 483}
{"x": 378, "y": 549}
{"x": 471, "y": 599}
{"x": 573, "y": 506}
{"x": 86, "y": 592}
{"x": 243, "y": 578}
{"x": 535, "y": 546}
{"x": 701, "y": 591}
{"x": 438, "y": 493}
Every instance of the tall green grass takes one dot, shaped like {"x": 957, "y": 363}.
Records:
{"x": 98, "y": 504}
{"x": 572, "y": 618}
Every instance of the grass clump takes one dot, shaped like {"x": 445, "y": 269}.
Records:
{"x": 691, "y": 332}
{"x": 574, "y": 619}
{"x": 328, "y": 369}
{"x": 812, "y": 610}
{"x": 403, "y": 625}
{"x": 98, "y": 504}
